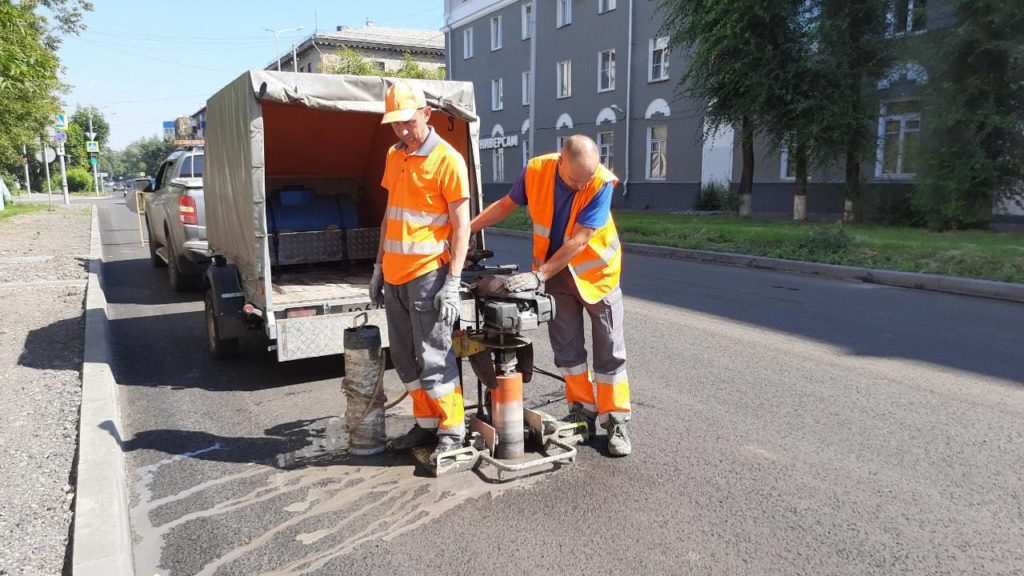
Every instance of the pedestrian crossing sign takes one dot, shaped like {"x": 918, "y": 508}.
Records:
{"x": 92, "y": 146}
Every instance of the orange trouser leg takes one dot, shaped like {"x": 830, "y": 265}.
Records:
{"x": 578, "y": 388}
{"x": 450, "y": 413}
{"x": 613, "y": 393}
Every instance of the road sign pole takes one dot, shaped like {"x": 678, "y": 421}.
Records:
{"x": 28, "y": 181}
{"x": 46, "y": 170}
{"x": 95, "y": 177}
{"x": 63, "y": 175}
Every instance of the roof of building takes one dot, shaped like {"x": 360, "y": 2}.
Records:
{"x": 378, "y": 37}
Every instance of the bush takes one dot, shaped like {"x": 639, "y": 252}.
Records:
{"x": 79, "y": 180}
{"x": 896, "y": 209}
{"x": 716, "y": 196}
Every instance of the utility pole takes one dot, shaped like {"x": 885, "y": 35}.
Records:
{"x": 28, "y": 182}
{"x": 63, "y": 175}
{"x": 46, "y": 168}
{"x": 295, "y": 63}
{"x": 277, "y": 42}
{"x": 93, "y": 161}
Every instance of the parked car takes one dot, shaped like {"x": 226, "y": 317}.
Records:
{"x": 176, "y": 219}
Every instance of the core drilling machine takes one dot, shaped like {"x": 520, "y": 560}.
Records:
{"x": 502, "y": 360}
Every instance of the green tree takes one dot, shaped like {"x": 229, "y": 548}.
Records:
{"x": 145, "y": 155}
{"x": 410, "y": 68}
{"x": 854, "y": 55}
{"x": 973, "y": 141}
{"x": 78, "y": 125}
{"x": 727, "y": 44}
{"x": 348, "y": 61}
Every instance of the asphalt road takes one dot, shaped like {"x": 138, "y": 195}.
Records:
{"x": 783, "y": 425}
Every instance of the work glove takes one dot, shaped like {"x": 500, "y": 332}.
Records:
{"x": 447, "y": 302}
{"x": 377, "y": 286}
{"x": 524, "y": 281}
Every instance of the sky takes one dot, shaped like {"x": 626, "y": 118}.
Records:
{"x": 143, "y": 62}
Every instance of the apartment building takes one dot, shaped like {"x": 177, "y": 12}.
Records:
{"x": 384, "y": 47}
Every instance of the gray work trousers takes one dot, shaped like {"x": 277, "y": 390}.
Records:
{"x": 566, "y": 332}
{"x": 421, "y": 348}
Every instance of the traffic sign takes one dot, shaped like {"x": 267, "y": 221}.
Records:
{"x": 92, "y": 146}
{"x": 59, "y": 137}
{"x": 51, "y": 155}
{"x": 90, "y": 135}
{"x": 92, "y": 161}
{"x": 59, "y": 121}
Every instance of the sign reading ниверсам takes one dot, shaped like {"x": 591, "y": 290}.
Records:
{"x": 510, "y": 141}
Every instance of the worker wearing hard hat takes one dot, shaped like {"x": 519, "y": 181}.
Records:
{"x": 577, "y": 257}
{"x": 424, "y": 238}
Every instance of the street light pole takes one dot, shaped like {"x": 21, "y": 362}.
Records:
{"x": 277, "y": 41}
{"x": 95, "y": 178}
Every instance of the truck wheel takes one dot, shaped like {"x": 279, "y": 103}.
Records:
{"x": 154, "y": 258}
{"x": 219, "y": 347}
{"x": 178, "y": 281}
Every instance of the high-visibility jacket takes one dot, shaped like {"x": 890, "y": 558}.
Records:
{"x": 420, "y": 186}
{"x": 596, "y": 269}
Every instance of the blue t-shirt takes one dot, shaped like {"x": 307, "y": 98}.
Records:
{"x": 594, "y": 215}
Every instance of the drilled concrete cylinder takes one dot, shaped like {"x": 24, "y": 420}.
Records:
{"x": 363, "y": 386}
{"x": 507, "y": 416}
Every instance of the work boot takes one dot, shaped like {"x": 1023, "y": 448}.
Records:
{"x": 447, "y": 444}
{"x": 618, "y": 438}
{"x": 579, "y": 414}
{"x": 416, "y": 436}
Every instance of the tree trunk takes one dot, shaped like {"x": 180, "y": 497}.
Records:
{"x": 800, "y": 195}
{"x": 852, "y": 210}
{"x": 747, "y": 177}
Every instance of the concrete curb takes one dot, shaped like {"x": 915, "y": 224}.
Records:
{"x": 935, "y": 282}
{"x": 102, "y": 537}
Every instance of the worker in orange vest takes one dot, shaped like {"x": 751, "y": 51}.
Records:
{"x": 577, "y": 258}
{"x": 424, "y": 238}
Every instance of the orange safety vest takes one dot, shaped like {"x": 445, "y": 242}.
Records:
{"x": 420, "y": 187}
{"x": 596, "y": 269}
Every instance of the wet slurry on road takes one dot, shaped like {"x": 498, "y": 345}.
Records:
{"x": 782, "y": 425}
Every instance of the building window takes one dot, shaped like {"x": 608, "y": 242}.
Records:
{"x": 380, "y": 65}
{"x": 563, "y": 79}
{"x": 527, "y": 23}
{"x": 526, "y": 88}
{"x": 497, "y": 94}
{"x": 467, "y": 43}
{"x": 560, "y": 142}
{"x": 606, "y": 71}
{"x": 498, "y": 163}
{"x": 657, "y": 152}
{"x": 605, "y": 6}
{"x": 659, "y": 60}
{"x": 563, "y": 13}
{"x": 606, "y": 146}
{"x": 496, "y": 33}
{"x": 899, "y": 125}
{"x": 905, "y": 16}
{"x": 787, "y": 169}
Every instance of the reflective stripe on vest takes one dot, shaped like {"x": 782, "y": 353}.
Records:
{"x": 417, "y": 218}
{"x": 408, "y": 247}
{"x": 542, "y": 231}
{"x": 599, "y": 262}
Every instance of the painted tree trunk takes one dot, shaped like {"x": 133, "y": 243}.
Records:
{"x": 747, "y": 177}
{"x": 800, "y": 195}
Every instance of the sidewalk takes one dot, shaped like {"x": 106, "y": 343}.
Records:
{"x": 43, "y": 261}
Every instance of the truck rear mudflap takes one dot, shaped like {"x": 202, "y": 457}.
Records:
{"x": 323, "y": 335}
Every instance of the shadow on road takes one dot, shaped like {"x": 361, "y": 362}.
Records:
{"x": 977, "y": 335}
{"x": 57, "y": 346}
{"x": 139, "y": 282}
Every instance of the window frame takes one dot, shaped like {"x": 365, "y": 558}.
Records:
{"x": 600, "y": 71}
{"x": 885, "y": 116}
{"x": 601, "y": 145}
{"x": 563, "y": 13}
{"x": 652, "y": 47}
{"x": 467, "y": 43}
{"x": 608, "y": 5}
{"x": 497, "y": 94}
{"x": 663, "y": 151}
{"x": 496, "y": 39}
{"x": 560, "y": 75}
{"x": 908, "y": 27}
{"x": 525, "y": 83}
{"x": 526, "y": 16}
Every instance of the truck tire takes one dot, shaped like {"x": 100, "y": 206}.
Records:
{"x": 219, "y": 347}
{"x": 174, "y": 275}
{"x": 154, "y": 258}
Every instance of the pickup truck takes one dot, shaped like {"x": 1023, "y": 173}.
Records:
{"x": 294, "y": 204}
{"x": 176, "y": 220}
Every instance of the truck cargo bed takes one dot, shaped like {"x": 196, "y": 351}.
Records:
{"x": 319, "y": 287}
